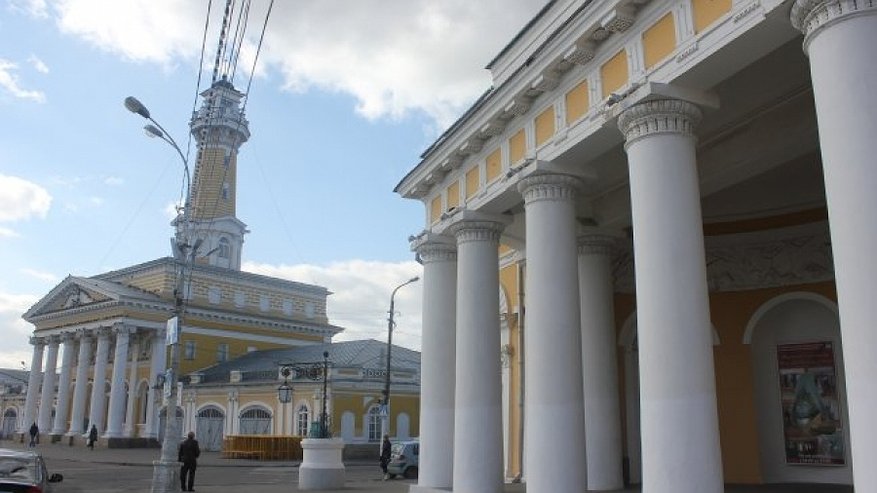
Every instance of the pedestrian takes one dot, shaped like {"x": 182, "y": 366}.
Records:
{"x": 34, "y": 435}
{"x": 92, "y": 437}
{"x": 188, "y": 455}
{"x": 385, "y": 455}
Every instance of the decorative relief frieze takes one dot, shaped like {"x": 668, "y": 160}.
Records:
{"x": 752, "y": 7}
{"x": 809, "y": 15}
{"x": 687, "y": 52}
{"x": 554, "y": 187}
{"x": 434, "y": 251}
{"x": 753, "y": 261}
{"x": 619, "y": 20}
{"x": 518, "y": 107}
{"x": 582, "y": 53}
{"x": 659, "y": 117}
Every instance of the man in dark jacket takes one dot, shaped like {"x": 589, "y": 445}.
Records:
{"x": 188, "y": 455}
{"x": 385, "y": 455}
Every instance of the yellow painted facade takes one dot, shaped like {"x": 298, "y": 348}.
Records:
{"x": 545, "y": 126}
{"x": 454, "y": 195}
{"x": 707, "y": 12}
{"x": 517, "y": 147}
{"x": 215, "y": 184}
{"x": 577, "y": 102}
{"x": 435, "y": 208}
{"x": 659, "y": 41}
{"x": 493, "y": 165}
{"x": 614, "y": 73}
{"x": 473, "y": 181}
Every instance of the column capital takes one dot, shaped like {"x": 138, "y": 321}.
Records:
{"x": 102, "y": 332}
{"x": 808, "y": 16}
{"x": 598, "y": 243}
{"x": 122, "y": 329}
{"x": 37, "y": 341}
{"x": 54, "y": 339}
{"x": 477, "y": 226}
{"x": 660, "y": 116}
{"x": 84, "y": 335}
{"x": 549, "y": 186}
{"x": 434, "y": 248}
{"x": 68, "y": 337}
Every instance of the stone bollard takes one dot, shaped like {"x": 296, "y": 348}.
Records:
{"x": 321, "y": 467}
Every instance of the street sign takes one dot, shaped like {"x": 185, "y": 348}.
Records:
{"x": 173, "y": 331}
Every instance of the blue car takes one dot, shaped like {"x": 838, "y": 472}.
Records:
{"x": 404, "y": 459}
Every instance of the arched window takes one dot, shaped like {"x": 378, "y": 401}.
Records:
{"x": 302, "y": 421}
{"x": 373, "y": 422}
{"x": 224, "y": 248}
{"x": 256, "y": 421}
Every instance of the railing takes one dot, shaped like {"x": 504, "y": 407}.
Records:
{"x": 261, "y": 375}
{"x": 261, "y": 447}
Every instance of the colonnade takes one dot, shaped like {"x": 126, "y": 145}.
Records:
{"x": 80, "y": 368}
{"x": 570, "y": 371}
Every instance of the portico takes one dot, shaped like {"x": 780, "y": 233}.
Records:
{"x": 653, "y": 169}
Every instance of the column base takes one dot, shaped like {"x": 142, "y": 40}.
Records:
{"x": 321, "y": 467}
{"x": 165, "y": 477}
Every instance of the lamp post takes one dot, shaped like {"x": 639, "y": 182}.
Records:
{"x": 385, "y": 414}
{"x": 164, "y": 475}
{"x": 313, "y": 371}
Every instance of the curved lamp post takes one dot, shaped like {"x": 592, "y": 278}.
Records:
{"x": 313, "y": 371}
{"x": 164, "y": 475}
{"x": 385, "y": 414}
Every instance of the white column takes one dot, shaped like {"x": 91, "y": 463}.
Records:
{"x": 59, "y": 427}
{"x": 98, "y": 390}
{"x": 80, "y": 391}
{"x": 157, "y": 365}
{"x": 680, "y": 431}
{"x": 553, "y": 404}
{"x": 130, "y": 425}
{"x": 117, "y": 384}
{"x": 47, "y": 397}
{"x": 600, "y": 362}
{"x": 478, "y": 461}
{"x": 33, "y": 383}
{"x": 437, "y": 359}
{"x": 840, "y": 40}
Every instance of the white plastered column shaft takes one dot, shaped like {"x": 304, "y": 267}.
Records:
{"x": 80, "y": 390}
{"x": 156, "y": 365}
{"x": 439, "y": 257}
{"x": 59, "y": 426}
{"x": 117, "y": 384}
{"x": 840, "y": 40}
{"x": 680, "y": 432}
{"x": 98, "y": 390}
{"x": 33, "y": 383}
{"x": 129, "y": 430}
{"x": 47, "y": 397}
{"x": 600, "y": 362}
{"x": 478, "y": 461}
{"x": 554, "y": 405}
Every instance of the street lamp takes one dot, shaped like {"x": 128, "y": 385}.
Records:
{"x": 313, "y": 371}
{"x": 385, "y": 427}
{"x": 164, "y": 475}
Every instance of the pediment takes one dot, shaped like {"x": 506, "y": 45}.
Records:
{"x": 70, "y": 294}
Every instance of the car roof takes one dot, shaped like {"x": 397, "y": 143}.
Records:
{"x": 18, "y": 454}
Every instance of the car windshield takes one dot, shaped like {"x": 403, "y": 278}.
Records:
{"x": 19, "y": 468}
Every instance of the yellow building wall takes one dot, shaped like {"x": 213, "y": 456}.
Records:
{"x": 473, "y": 181}
{"x": 544, "y": 126}
{"x": 659, "y": 40}
{"x": 454, "y": 195}
{"x": 708, "y": 11}
{"x": 577, "y": 103}
{"x": 206, "y": 347}
{"x": 435, "y": 209}
{"x": 212, "y": 175}
{"x": 493, "y": 165}
{"x": 517, "y": 147}
{"x": 614, "y": 73}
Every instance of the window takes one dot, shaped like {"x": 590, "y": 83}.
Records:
{"x": 225, "y": 191}
{"x": 302, "y": 420}
{"x": 221, "y": 353}
{"x": 189, "y": 351}
{"x": 224, "y": 248}
{"x": 214, "y": 295}
{"x": 373, "y": 421}
{"x": 264, "y": 302}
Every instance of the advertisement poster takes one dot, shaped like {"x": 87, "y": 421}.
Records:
{"x": 811, "y": 410}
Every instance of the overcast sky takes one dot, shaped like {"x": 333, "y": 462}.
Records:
{"x": 346, "y": 95}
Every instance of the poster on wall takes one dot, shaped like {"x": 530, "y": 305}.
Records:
{"x": 812, "y": 426}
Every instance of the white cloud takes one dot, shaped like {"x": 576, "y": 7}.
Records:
{"x": 38, "y": 64}
{"x": 41, "y": 275}
{"x": 393, "y": 56}
{"x": 15, "y": 330}
{"x": 35, "y": 8}
{"x": 21, "y": 199}
{"x": 113, "y": 181}
{"x": 9, "y": 82}
{"x": 361, "y": 296}
{"x": 8, "y": 233}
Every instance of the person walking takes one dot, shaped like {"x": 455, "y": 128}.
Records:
{"x": 188, "y": 455}
{"x": 385, "y": 455}
{"x": 34, "y": 435}
{"x": 92, "y": 437}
